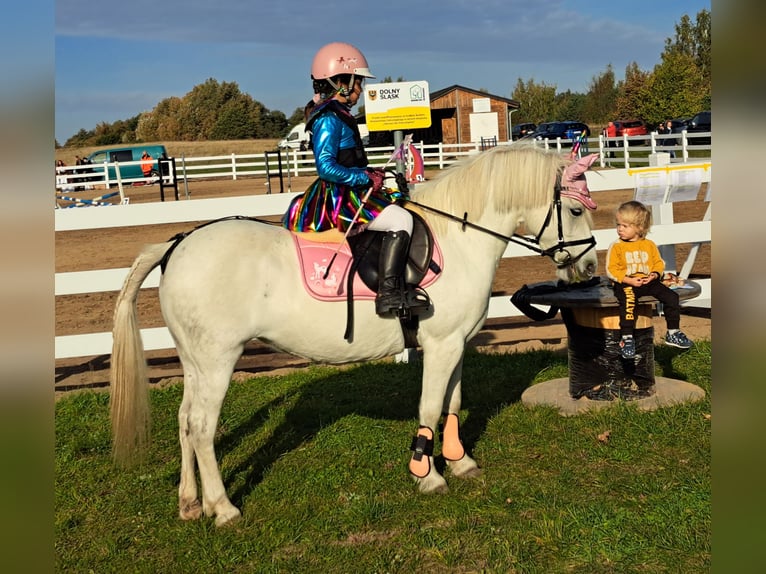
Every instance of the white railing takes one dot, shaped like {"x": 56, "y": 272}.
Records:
{"x": 664, "y": 233}
{"x": 627, "y": 151}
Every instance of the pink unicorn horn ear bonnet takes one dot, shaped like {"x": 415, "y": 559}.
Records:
{"x": 573, "y": 182}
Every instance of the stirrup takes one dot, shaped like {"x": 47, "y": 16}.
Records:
{"x": 416, "y": 299}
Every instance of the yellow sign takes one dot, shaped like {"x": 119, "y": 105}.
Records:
{"x": 397, "y": 106}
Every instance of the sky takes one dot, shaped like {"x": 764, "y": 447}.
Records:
{"x": 113, "y": 65}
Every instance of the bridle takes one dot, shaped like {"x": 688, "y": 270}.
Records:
{"x": 559, "y": 253}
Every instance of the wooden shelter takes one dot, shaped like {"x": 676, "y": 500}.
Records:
{"x": 464, "y": 115}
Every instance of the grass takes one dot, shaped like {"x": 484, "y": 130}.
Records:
{"x": 317, "y": 462}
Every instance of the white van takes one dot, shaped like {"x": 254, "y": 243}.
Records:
{"x": 297, "y": 135}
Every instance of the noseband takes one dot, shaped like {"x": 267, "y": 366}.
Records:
{"x": 555, "y": 252}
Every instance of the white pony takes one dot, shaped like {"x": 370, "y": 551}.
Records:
{"x": 237, "y": 280}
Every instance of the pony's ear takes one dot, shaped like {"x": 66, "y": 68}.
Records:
{"x": 580, "y": 166}
{"x": 573, "y": 182}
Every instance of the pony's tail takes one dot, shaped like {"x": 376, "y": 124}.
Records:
{"x": 129, "y": 403}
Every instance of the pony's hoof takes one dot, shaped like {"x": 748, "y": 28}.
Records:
{"x": 474, "y": 472}
{"x": 190, "y": 510}
{"x": 465, "y": 468}
{"x": 228, "y": 518}
{"x": 432, "y": 486}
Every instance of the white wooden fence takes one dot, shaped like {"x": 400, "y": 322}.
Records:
{"x": 664, "y": 233}
{"x": 628, "y": 151}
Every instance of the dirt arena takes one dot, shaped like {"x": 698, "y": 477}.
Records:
{"x": 116, "y": 248}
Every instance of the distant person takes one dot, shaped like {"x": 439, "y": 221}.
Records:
{"x": 666, "y": 127}
{"x": 62, "y": 179}
{"x": 147, "y": 162}
{"x": 635, "y": 266}
{"x": 610, "y": 131}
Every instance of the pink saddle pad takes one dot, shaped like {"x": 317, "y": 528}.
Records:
{"x": 314, "y": 256}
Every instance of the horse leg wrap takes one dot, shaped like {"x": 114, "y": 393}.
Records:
{"x": 423, "y": 448}
{"x": 452, "y": 446}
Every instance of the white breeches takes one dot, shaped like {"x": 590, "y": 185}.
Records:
{"x": 392, "y": 218}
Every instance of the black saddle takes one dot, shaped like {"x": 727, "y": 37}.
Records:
{"x": 365, "y": 250}
{"x": 366, "y": 247}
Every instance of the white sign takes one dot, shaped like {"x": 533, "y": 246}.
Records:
{"x": 397, "y": 106}
{"x": 684, "y": 185}
{"x": 481, "y": 105}
{"x": 651, "y": 187}
{"x": 484, "y": 126}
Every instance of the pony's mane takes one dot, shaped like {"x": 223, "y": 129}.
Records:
{"x": 505, "y": 178}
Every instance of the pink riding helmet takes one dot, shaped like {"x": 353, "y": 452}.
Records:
{"x": 339, "y": 58}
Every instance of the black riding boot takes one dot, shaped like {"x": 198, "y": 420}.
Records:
{"x": 393, "y": 259}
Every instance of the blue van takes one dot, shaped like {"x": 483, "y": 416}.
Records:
{"x": 128, "y": 153}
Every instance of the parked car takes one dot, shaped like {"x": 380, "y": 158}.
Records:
{"x": 678, "y": 125}
{"x": 563, "y": 130}
{"x": 297, "y": 138}
{"x": 699, "y": 123}
{"x": 522, "y": 130}
{"x": 631, "y": 128}
{"x": 128, "y": 153}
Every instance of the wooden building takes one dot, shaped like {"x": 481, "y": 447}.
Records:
{"x": 464, "y": 115}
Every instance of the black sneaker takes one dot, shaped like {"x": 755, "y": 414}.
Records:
{"x": 678, "y": 339}
{"x": 628, "y": 348}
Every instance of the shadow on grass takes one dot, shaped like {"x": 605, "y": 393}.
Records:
{"x": 380, "y": 391}
{"x": 663, "y": 356}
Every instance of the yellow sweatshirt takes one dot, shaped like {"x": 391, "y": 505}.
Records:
{"x": 633, "y": 259}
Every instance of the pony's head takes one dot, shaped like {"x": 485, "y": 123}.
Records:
{"x": 565, "y": 234}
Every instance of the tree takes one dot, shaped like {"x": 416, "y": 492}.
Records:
{"x": 674, "y": 89}
{"x": 296, "y": 118}
{"x": 693, "y": 39}
{"x": 537, "y": 101}
{"x": 569, "y": 106}
{"x": 632, "y": 93}
{"x": 601, "y": 98}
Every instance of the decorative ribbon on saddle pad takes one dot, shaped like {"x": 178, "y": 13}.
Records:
{"x": 314, "y": 256}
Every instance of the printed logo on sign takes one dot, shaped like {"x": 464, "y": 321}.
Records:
{"x": 372, "y": 94}
{"x": 417, "y": 94}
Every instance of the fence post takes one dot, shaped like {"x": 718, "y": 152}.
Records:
{"x": 167, "y": 167}
{"x": 183, "y": 170}
{"x": 625, "y": 151}
{"x": 684, "y": 146}
{"x": 662, "y": 214}
{"x": 268, "y": 171}
{"x": 234, "y": 166}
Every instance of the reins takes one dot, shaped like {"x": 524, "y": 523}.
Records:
{"x": 530, "y": 243}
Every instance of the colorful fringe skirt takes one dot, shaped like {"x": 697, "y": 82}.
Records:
{"x": 326, "y": 205}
